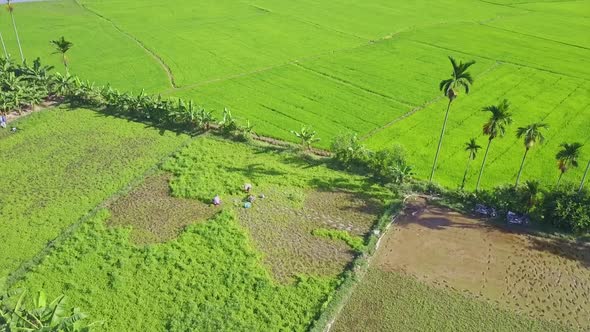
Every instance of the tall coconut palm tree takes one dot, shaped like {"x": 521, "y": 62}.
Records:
{"x": 460, "y": 78}
{"x": 567, "y": 158}
{"x": 62, "y": 46}
{"x": 10, "y": 9}
{"x": 495, "y": 127}
{"x": 584, "y": 177}
{"x": 531, "y": 134}
{"x": 472, "y": 148}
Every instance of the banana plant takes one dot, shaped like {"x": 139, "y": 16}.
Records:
{"x": 44, "y": 316}
{"x": 306, "y": 137}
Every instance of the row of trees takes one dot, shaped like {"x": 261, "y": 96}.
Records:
{"x": 496, "y": 127}
{"x": 23, "y": 86}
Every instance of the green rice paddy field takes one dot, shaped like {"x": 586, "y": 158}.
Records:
{"x": 371, "y": 67}
{"x": 115, "y": 214}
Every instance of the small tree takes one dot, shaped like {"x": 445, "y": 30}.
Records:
{"x": 500, "y": 118}
{"x": 204, "y": 119}
{"x": 62, "y": 46}
{"x": 348, "y": 150}
{"x": 567, "y": 158}
{"x": 531, "y": 134}
{"x": 307, "y": 137}
{"x": 472, "y": 148}
{"x": 228, "y": 124}
{"x": 531, "y": 191}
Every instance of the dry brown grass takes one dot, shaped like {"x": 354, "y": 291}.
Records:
{"x": 153, "y": 214}
{"x": 281, "y": 229}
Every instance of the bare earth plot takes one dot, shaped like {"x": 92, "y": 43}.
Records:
{"x": 466, "y": 260}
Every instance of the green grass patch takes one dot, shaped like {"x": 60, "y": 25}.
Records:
{"x": 212, "y": 166}
{"x": 59, "y": 166}
{"x": 355, "y": 242}
{"x": 208, "y": 279}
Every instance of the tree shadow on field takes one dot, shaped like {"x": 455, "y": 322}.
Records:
{"x": 573, "y": 250}
{"x": 161, "y": 127}
{"x": 255, "y": 171}
{"x": 365, "y": 191}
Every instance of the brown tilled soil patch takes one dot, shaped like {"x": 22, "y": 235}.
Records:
{"x": 154, "y": 215}
{"x": 281, "y": 230}
{"x": 542, "y": 277}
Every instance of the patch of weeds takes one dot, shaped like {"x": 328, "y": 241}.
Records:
{"x": 355, "y": 242}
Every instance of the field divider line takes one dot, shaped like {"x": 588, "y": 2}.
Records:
{"x": 501, "y": 61}
{"x": 419, "y": 108}
{"x": 151, "y": 53}
{"x": 65, "y": 234}
{"x": 295, "y": 61}
{"x": 365, "y": 263}
{"x": 533, "y": 36}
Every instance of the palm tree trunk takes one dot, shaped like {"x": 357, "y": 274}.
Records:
{"x": 442, "y": 134}
{"x": 3, "y": 46}
{"x": 483, "y": 164}
{"x": 17, "y": 38}
{"x": 521, "y": 167}
{"x": 65, "y": 60}
{"x": 465, "y": 174}
{"x": 584, "y": 177}
{"x": 559, "y": 179}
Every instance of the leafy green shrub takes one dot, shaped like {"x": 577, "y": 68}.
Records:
{"x": 355, "y": 242}
{"x": 567, "y": 210}
{"x": 347, "y": 150}
{"x": 53, "y": 316}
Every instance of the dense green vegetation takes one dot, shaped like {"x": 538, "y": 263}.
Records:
{"x": 371, "y": 67}
{"x": 209, "y": 279}
{"x": 59, "y": 166}
{"x": 402, "y": 304}
{"x": 362, "y": 74}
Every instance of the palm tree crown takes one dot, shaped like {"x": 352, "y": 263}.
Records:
{"x": 499, "y": 120}
{"x": 459, "y": 78}
{"x": 62, "y": 46}
{"x": 568, "y": 156}
{"x": 472, "y": 147}
{"x": 532, "y": 134}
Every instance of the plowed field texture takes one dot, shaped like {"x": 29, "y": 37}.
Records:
{"x": 370, "y": 67}
{"x": 439, "y": 270}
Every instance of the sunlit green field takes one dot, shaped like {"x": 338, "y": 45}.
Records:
{"x": 59, "y": 166}
{"x": 370, "y": 67}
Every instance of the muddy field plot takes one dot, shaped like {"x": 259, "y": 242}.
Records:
{"x": 281, "y": 227}
{"x": 544, "y": 278}
{"x": 153, "y": 214}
